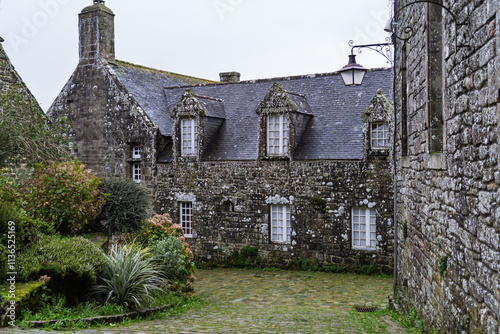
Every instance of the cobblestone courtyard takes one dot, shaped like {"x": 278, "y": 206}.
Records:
{"x": 256, "y": 301}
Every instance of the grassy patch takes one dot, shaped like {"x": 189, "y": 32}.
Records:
{"x": 57, "y": 309}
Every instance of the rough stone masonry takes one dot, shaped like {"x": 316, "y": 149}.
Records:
{"x": 447, "y": 90}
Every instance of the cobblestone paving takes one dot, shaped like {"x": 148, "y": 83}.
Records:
{"x": 255, "y": 301}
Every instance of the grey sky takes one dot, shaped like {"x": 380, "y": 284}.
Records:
{"x": 258, "y": 38}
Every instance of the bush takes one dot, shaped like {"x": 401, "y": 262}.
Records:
{"x": 71, "y": 263}
{"x": 129, "y": 277}
{"x": 168, "y": 252}
{"x": 160, "y": 234}
{"x": 127, "y": 205}
{"x": 247, "y": 257}
{"x": 65, "y": 194}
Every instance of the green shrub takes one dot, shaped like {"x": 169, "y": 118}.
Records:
{"x": 168, "y": 252}
{"x": 127, "y": 205}
{"x": 159, "y": 228}
{"x": 64, "y": 193}
{"x": 130, "y": 276}
{"x": 71, "y": 263}
{"x": 244, "y": 258}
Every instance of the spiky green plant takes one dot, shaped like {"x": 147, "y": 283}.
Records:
{"x": 130, "y": 276}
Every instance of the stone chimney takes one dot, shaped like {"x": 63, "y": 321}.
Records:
{"x": 229, "y": 77}
{"x": 97, "y": 32}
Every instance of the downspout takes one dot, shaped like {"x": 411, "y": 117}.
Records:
{"x": 394, "y": 160}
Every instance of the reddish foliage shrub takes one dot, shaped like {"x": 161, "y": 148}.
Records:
{"x": 65, "y": 194}
{"x": 161, "y": 227}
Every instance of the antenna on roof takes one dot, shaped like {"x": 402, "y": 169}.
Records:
{"x": 98, "y": 1}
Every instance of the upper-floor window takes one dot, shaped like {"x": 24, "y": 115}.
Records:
{"x": 380, "y": 135}
{"x": 189, "y": 137}
{"x": 186, "y": 218}
{"x": 277, "y": 135}
{"x": 136, "y": 172}
{"x": 280, "y": 223}
{"x": 136, "y": 152}
{"x": 364, "y": 228}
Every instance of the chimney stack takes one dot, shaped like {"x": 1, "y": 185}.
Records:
{"x": 229, "y": 77}
{"x": 97, "y": 32}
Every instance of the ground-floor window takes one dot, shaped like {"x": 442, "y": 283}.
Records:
{"x": 364, "y": 228}
{"x": 280, "y": 223}
{"x": 186, "y": 218}
{"x": 136, "y": 172}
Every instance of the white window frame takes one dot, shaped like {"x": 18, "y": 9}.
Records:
{"x": 380, "y": 135}
{"x": 281, "y": 229}
{"x": 364, "y": 229}
{"x": 136, "y": 172}
{"x": 189, "y": 137}
{"x": 136, "y": 152}
{"x": 278, "y": 130}
{"x": 186, "y": 218}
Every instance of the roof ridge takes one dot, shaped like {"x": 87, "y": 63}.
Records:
{"x": 207, "y": 97}
{"x": 117, "y": 62}
{"x": 293, "y": 77}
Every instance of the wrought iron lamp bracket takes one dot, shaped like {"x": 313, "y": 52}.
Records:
{"x": 408, "y": 31}
{"x": 383, "y": 49}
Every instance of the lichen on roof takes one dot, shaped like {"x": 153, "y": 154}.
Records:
{"x": 190, "y": 80}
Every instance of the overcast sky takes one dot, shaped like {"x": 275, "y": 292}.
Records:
{"x": 258, "y": 38}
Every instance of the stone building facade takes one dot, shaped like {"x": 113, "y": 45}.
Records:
{"x": 296, "y": 166}
{"x": 448, "y": 203}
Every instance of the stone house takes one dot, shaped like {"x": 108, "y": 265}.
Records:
{"x": 448, "y": 201}
{"x": 296, "y": 166}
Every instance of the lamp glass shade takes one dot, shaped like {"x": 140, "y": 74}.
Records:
{"x": 353, "y": 73}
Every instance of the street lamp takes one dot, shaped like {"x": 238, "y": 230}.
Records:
{"x": 352, "y": 73}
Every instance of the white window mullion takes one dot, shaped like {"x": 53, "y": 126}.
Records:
{"x": 364, "y": 228}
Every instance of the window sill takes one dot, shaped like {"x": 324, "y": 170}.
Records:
{"x": 380, "y": 151}
{"x": 276, "y": 158}
{"x": 366, "y": 249}
{"x": 437, "y": 161}
{"x": 136, "y": 160}
{"x": 281, "y": 242}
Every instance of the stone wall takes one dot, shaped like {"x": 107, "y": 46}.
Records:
{"x": 321, "y": 195}
{"x": 105, "y": 123}
{"x": 448, "y": 199}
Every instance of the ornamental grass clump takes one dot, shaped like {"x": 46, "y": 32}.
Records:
{"x": 130, "y": 277}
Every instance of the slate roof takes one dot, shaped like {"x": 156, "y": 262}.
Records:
{"x": 335, "y": 131}
{"x": 146, "y": 86}
{"x": 213, "y": 107}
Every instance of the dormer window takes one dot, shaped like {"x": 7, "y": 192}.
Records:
{"x": 277, "y": 135}
{"x": 380, "y": 136}
{"x": 189, "y": 137}
{"x": 136, "y": 152}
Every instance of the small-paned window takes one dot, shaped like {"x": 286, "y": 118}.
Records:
{"x": 364, "y": 228}
{"x": 186, "y": 217}
{"x": 136, "y": 172}
{"x": 277, "y": 135}
{"x": 189, "y": 137}
{"x": 136, "y": 152}
{"x": 280, "y": 223}
{"x": 380, "y": 135}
